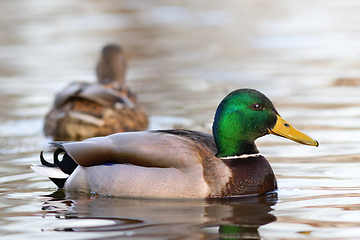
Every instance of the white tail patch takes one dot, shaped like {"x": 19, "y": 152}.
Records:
{"x": 51, "y": 172}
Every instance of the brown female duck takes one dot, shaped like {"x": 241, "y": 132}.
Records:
{"x": 83, "y": 110}
{"x": 179, "y": 163}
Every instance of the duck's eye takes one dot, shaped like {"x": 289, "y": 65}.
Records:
{"x": 256, "y": 106}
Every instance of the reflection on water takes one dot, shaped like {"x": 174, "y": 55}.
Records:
{"x": 184, "y": 57}
{"x": 228, "y": 218}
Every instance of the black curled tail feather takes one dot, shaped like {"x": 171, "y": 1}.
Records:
{"x": 42, "y": 159}
{"x": 67, "y": 164}
{"x": 44, "y": 162}
{"x": 56, "y": 158}
{"x": 60, "y": 182}
{"x": 56, "y": 155}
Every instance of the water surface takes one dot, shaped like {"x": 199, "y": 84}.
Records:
{"x": 183, "y": 59}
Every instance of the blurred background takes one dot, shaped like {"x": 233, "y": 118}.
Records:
{"x": 183, "y": 58}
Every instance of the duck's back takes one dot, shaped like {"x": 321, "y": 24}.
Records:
{"x": 144, "y": 164}
{"x": 84, "y": 110}
{"x": 161, "y": 148}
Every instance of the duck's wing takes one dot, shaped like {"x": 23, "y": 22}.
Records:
{"x": 71, "y": 90}
{"x": 104, "y": 96}
{"x": 172, "y": 148}
{"x": 93, "y": 91}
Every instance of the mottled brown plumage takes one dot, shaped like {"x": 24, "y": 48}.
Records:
{"x": 83, "y": 110}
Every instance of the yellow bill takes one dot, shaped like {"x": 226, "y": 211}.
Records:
{"x": 284, "y": 129}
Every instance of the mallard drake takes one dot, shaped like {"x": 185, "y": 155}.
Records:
{"x": 83, "y": 110}
{"x": 179, "y": 163}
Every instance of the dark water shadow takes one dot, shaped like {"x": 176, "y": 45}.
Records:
{"x": 235, "y": 218}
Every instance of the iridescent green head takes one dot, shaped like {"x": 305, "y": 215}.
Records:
{"x": 245, "y": 115}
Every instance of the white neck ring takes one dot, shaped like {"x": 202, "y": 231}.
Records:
{"x": 242, "y": 156}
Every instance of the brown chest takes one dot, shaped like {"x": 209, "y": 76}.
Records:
{"x": 251, "y": 175}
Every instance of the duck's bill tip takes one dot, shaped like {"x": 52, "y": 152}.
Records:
{"x": 284, "y": 129}
{"x": 308, "y": 141}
